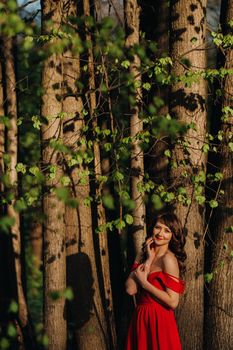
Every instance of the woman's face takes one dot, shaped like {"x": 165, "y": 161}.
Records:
{"x": 161, "y": 234}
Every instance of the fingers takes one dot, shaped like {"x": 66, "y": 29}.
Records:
{"x": 147, "y": 243}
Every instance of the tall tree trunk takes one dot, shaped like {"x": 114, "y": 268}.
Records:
{"x": 155, "y": 22}
{"x": 101, "y": 217}
{"x": 2, "y": 130}
{"x": 12, "y": 149}
{"x": 110, "y": 8}
{"x": 188, "y": 104}
{"x": 132, "y": 12}
{"x": 219, "y": 320}
{"x": 54, "y": 209}
{"x": 86, "y": 310}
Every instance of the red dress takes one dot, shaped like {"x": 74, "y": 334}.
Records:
{"x": 153, "y": 325}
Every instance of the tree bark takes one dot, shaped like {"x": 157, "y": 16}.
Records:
{"x": 219, "y": 316}
{"x": 132, "y": 12}
{"x": 110, "y": 8}
{"x": 101, "y": 216}
{"x": 12, "y": 150}
{"x": 54, "y": 209}
{"x": 188, "y": 104}
{"x": 2, "y": 131}
{"x": 85, "y": 310}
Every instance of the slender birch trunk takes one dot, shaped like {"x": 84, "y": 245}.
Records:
{"x": 12, "y": 150}
{"x": 101, "y": 217}
{"x": 54, "y": 209}
{"x": 132, "y": 12}
{"x": 188, "y": 104}
{"x": 219, "y": 318}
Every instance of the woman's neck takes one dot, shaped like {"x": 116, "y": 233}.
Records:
{"x": 159, "y": 251}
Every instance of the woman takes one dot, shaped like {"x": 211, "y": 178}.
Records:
{"x": 155, "y": 280}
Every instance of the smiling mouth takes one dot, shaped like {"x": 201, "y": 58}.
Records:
{"x": 159, "y": 238}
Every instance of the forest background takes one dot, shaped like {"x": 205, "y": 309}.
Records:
{"x": 111, "y": 112}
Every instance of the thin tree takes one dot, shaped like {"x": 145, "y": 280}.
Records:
{"x": 12, "y": 149}
{"x": 101, "y": 217}
{"x": 219, "y": 319}
{"x": 54, "y": 209}
{"x": 86, "y": 309}
{"x": 188, "y": 105}
{"x": 132, "y": 13}
{"x": 2, "y": 127}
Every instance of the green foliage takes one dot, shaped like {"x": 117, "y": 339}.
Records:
{"x": 6, "y": 222}
{"x": 116, "y": 97}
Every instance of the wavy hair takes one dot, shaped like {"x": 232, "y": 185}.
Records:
{"x": 177, "y": 242}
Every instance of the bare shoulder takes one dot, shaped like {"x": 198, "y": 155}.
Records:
{"x": 170, "y": 264}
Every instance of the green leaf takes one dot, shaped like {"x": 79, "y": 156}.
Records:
{"x": 20, "y": 168}
{"x": 62, "y": 193}
{"x": 167, "y": 153}
{"x": 128, "y": 219}
{"x": 56, "y": 294}
{"x": 208, "y": 277}
{"x": 20, "y": 205}
{"x": 230, "y": 144}
{"x": 229, "y": 229}
{"x": 34, "y": 170}
{"x": 11, "y": 331}
{"x": 125, "y": 64}
{"x": 45, "y": 340}
{"x": 6, "y": 222}
{"x": 193, "y": 40}
{"x": 205, "y": 148}
{"x": 68, "y": 293}
{"x": 107, "y": 146}
{"x": 200, "y": 199}
{"x": 213, "y": 203}
{"x": 36, "y": 122}
{"x": 118, "y": 176}
{"x": 4, "y": 344}
{"x": 13, "y": 307}
{"x": 65, "y": 180}
{"x": 108, "y": 201}
{"x": 120, "y": 224}
{"x": 157, "y": 202}
{"x": 146, "y": 86}
{"x": 218, "y": 176}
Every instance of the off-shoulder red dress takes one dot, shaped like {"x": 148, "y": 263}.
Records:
{"x": 153, "y": 325}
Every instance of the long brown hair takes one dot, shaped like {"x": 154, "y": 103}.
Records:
{"x": 177, "y": 242}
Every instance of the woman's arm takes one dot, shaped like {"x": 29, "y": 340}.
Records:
{"x": 131, "y": 284}
{"x": 168, "y": 297}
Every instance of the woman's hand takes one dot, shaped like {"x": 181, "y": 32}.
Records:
{"x": 149, "y": 248}
{"x": 141, "y": 274}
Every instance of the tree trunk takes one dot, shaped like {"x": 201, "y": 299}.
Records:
{"x": 132, "y": 12}
{"x": 219, "y": 320}
{"x": 155, "y": 22}
{"x": 110, "y": 8}
{"x": 2, "y": 131}
{"x": 101, "y": 217}
{"x": 54, "y": 209}
{"x": 188, "y": 104}
{"x": 12, "y": 148}
{"x": 85, "y": 310}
